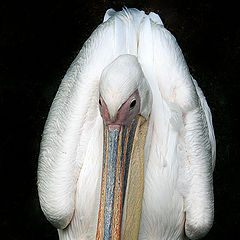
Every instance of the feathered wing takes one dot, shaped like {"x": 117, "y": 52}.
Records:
{"x": 208, "y": 116}
{"x": 165, "y": 68}
{"x": 197, "y": 142}
{"x": 200, "y": 157}
{"x": 73, "y": 115}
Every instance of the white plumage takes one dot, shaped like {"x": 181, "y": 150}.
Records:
{"x": 179, "y": 154}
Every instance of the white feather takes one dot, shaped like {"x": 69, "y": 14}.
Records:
{"x": 180, "y": 145}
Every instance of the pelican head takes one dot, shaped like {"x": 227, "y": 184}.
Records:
{"x": 125, "y": 102}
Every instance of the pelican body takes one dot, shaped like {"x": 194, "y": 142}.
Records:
{"x": 128, "y": 148}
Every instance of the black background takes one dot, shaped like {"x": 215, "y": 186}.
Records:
{"x": 38, "y": 42}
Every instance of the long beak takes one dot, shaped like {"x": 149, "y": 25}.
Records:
{"x": 122, "y": 181}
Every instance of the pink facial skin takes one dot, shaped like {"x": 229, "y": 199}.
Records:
{"x": 126, "y": 113}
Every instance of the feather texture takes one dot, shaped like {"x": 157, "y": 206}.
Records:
{"x": 180, "y": 147}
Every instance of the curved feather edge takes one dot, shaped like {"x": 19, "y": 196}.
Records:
{"x": 68, "y": 128}
{"x": 176, "y": 86}
{"x": 208, "y": 116}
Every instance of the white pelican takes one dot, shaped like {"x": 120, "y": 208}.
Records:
{"x": 128, "y": 149}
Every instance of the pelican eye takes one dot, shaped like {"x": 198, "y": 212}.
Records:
{"x": 99, "y": 101}
{"x": 132, "y": 104}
